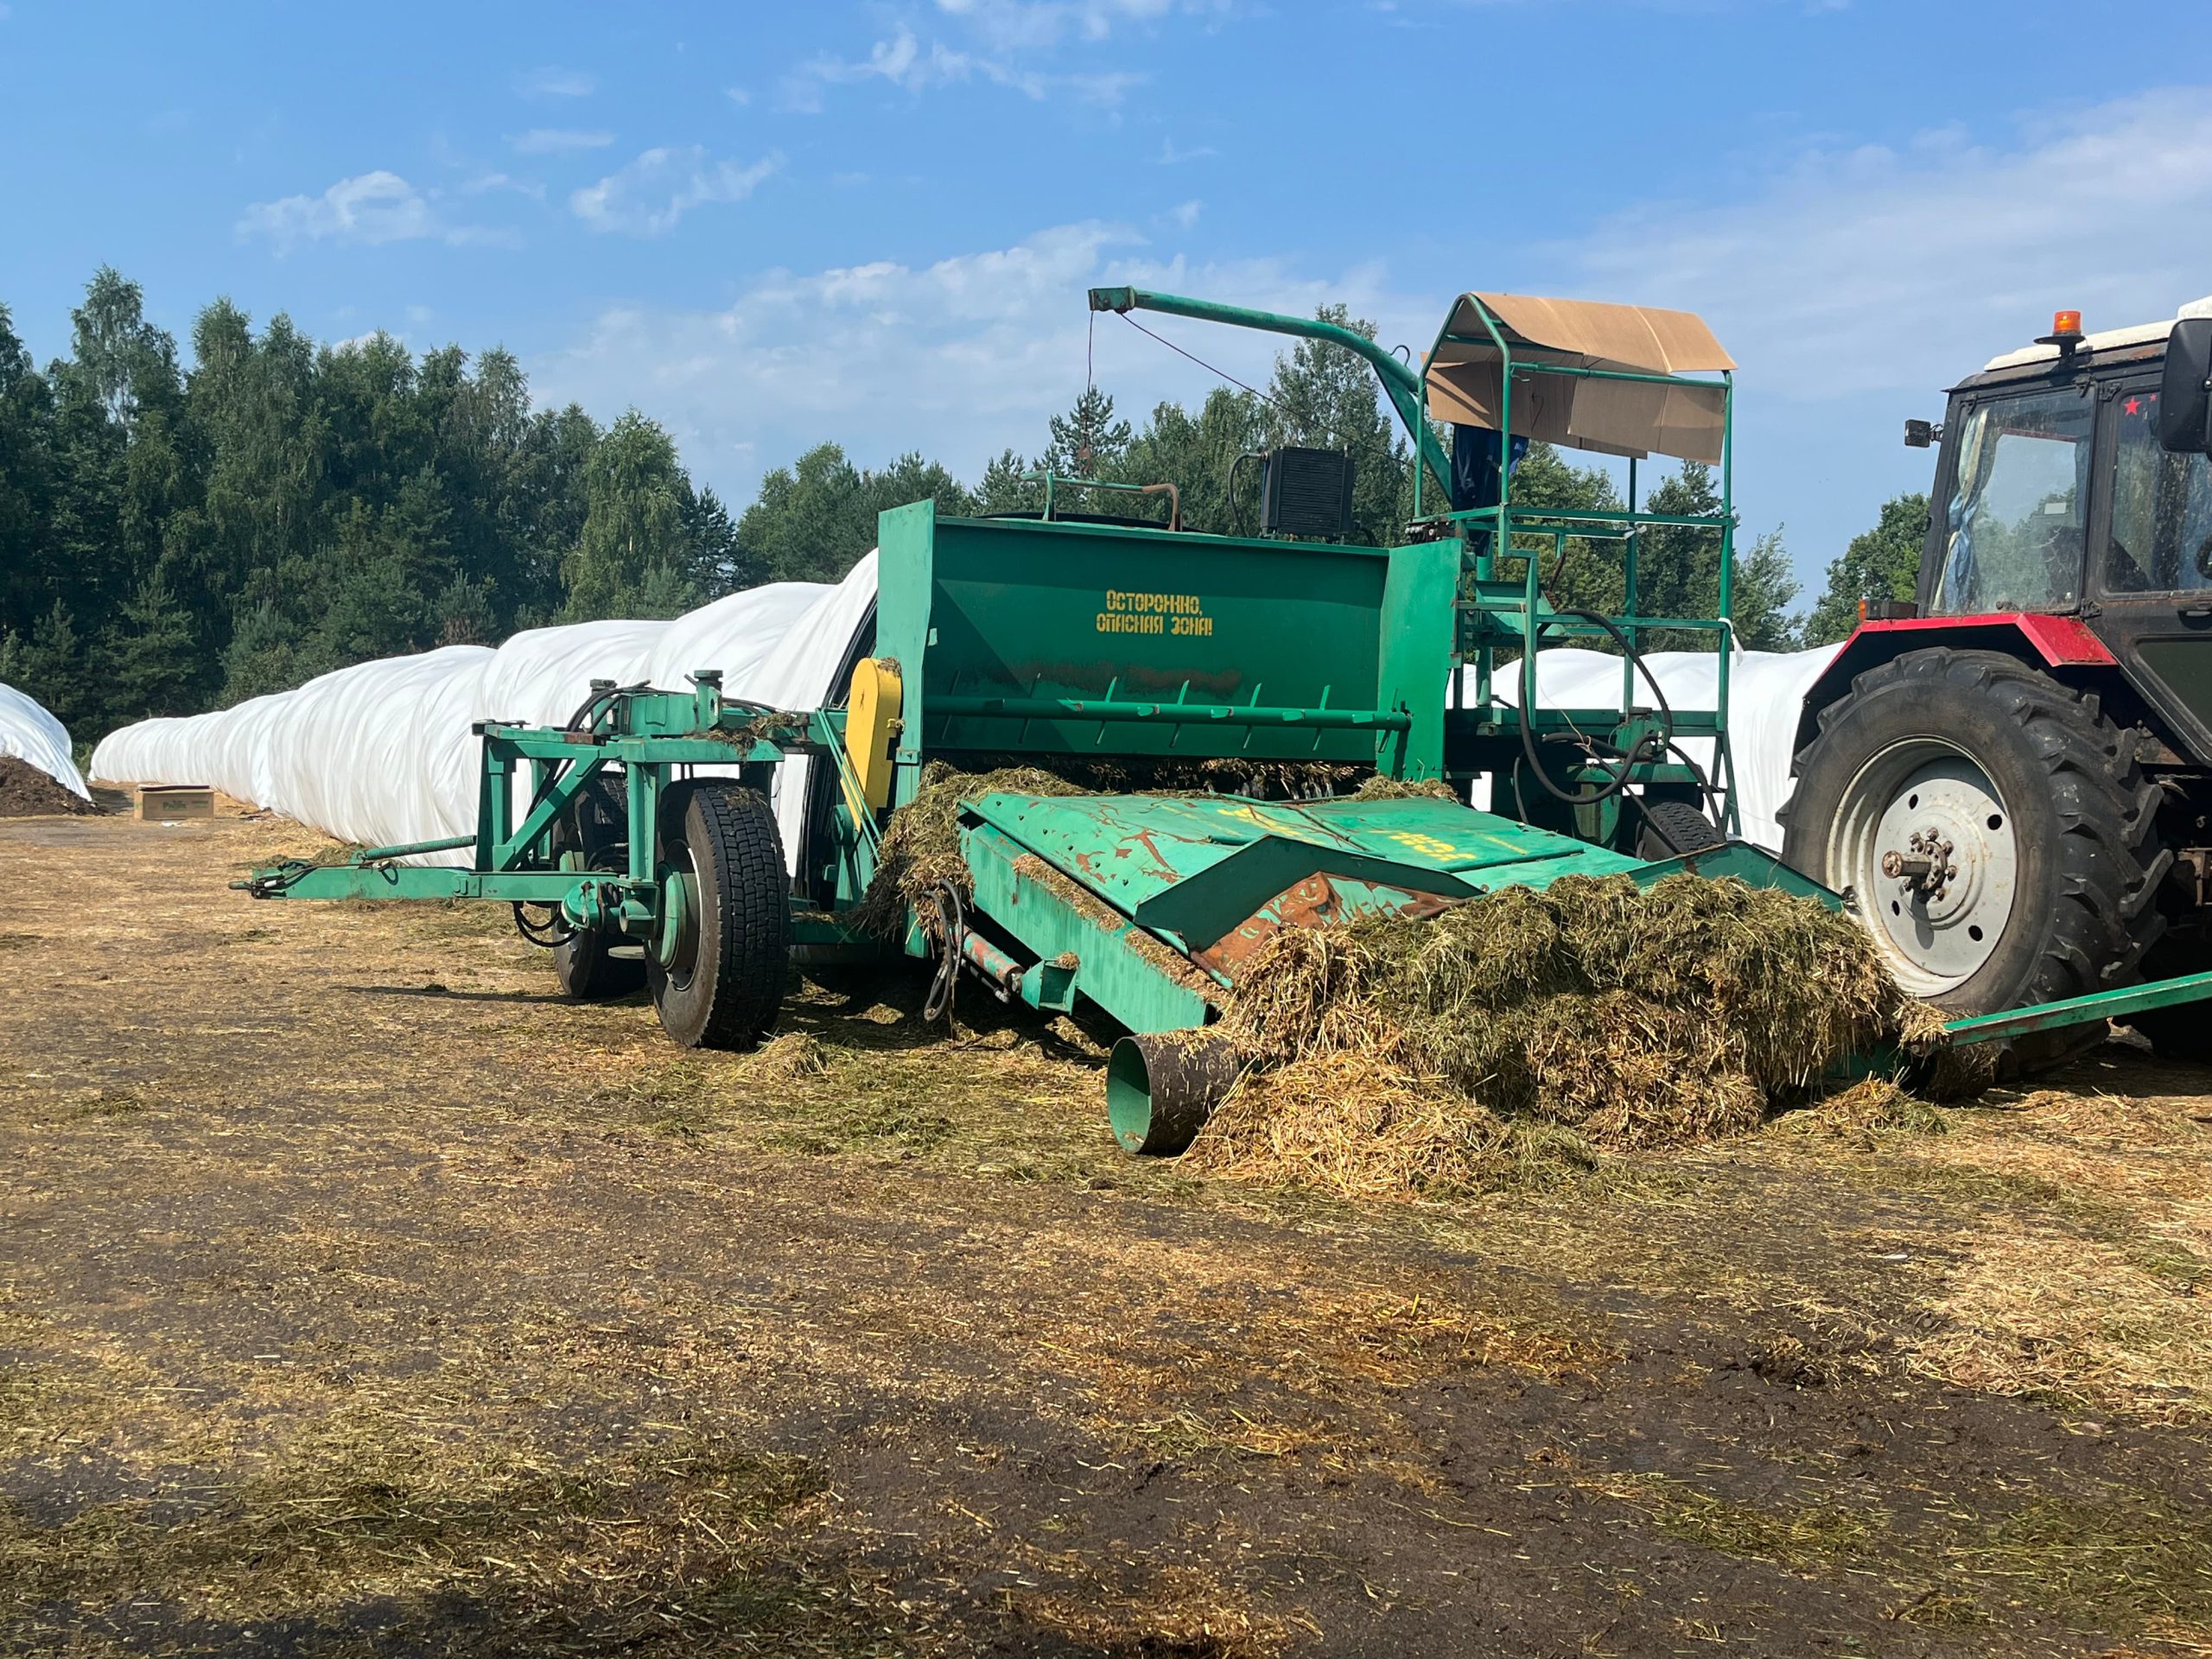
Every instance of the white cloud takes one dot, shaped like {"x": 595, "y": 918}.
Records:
{"x": 959, "y": 359}
{"x": 652, "y": 192}
{"x": 1033, "y": 25}
{"x": 551, "y": 82}
{"x": 739, "y": 96}
{"x": 1858, "y": 282}
{"x": 1875, "y": 268}
{"x": 554, "y": 141}
{"x": 1171, "y": 156}
{"x": 1186, "y": 214}
{"x": 369, "y": 209}
{"x": 903, "y": 61}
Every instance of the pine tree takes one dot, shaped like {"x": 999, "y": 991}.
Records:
{"x": 47, "y": 665}
{"x": 634, "y": 520}
{"x": 153, "y": 665}
{"x": 1087, "y": 441}
{"x": 265, "y": 654}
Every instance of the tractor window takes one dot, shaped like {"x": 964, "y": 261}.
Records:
{"x": 2014, "y": 538}
{"x": 2161, "y": 536}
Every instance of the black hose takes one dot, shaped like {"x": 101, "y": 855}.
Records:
{"x": 1617, "y": 780}
{"x": 549, "y": 935}
{"x": 952, "y": 929}
{"x": 587, "y": 710}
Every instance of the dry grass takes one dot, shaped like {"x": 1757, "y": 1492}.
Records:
{"x": 2102, "y": 1558}
{"x": 1346, "y": 1123}
{"x": 921, "y": 847}
{"x": 1420, "y": 1057}
{"x": 2091, "y": 1289}
{"x": 787, "y": 1056}
{"x": 373, "y": 1314}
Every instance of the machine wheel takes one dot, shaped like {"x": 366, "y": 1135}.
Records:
{"x": 720, "y": 982}
{"x": 596, "y": 967}
{"x": 1671, "y": 828}
{"x": 1996, "y": 831}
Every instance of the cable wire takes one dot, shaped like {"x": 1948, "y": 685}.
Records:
{"x": 1265, "y": 396}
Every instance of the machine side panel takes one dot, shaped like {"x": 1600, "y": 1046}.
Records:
{"x": 1418, "y": 624}
{"x": 905, "y": 562}
{"x": 1030, "y": 610}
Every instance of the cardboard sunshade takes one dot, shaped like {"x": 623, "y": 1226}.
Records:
{"x": 1614, "y": 417}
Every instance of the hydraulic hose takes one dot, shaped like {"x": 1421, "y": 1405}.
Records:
{"x": 952, "y": 928}
{"x": 1617, "y": 780}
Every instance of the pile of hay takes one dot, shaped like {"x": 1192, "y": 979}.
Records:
{"x": 921, "y": 846}
{"x": 1426, "y": 1057}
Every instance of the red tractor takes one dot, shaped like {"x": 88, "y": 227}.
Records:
{"x": 2010, "y": 779}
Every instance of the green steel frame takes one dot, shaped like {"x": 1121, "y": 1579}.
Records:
{"x": 644, "y": 737}
{"x": 1506, "y": 614}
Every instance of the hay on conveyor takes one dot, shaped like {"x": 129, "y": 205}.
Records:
{"x": 921, "y": 845}
{"x": 1382, "y": 787}
{"x": 1408, "y": 1056}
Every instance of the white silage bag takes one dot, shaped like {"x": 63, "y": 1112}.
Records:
{"x": 383, "y": 752}
{"x": 33, "y": 735}
{"x": 1766, "y": 695}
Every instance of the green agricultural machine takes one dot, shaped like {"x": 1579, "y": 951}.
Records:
{"x": 1146, "y": 662}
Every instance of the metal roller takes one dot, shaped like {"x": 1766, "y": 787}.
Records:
{"x": 1162, "y": 1086}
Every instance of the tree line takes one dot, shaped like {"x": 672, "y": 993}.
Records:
{"x": 176, "y": 536}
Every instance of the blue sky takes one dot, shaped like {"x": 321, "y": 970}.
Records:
{"x": 766, "y": 226}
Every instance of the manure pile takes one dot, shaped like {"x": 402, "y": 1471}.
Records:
{"x": 26, "y": 792}
{"x": 1527, "y": 1030}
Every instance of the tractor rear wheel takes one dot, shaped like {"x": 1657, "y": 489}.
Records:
{"x": 1993, "y": 830}
{"x": 595, "y": 966}
{"x": 718, "y": 982}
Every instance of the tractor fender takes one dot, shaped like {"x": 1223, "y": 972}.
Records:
{"x": 2051, "y": 641}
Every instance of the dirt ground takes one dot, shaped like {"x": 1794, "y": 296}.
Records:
{"x": 359, "y": 1297}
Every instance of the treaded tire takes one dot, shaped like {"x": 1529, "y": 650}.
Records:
{"x": 728, "y": 994}
{"x": 2087, "y": 861}
{"x": 597, "y": 826}
{"x": 1672, "y": 828}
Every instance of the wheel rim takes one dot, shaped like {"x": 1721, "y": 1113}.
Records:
{"x": 1925, "y": 842}
{"x": 679, "y": 939}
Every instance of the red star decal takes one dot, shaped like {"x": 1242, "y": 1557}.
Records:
{"x": 2134, "y": 406}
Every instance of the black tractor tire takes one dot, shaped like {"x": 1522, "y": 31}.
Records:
{"x": 1672, "y": 828}
{"x": 726, "y": 987}
{"x": 594, "y": 966}
{"x": 2077, "y": 828}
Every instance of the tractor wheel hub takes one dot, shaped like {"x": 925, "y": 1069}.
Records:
{"x": 1926, "y": 844}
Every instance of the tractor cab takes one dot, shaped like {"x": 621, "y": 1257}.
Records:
{"x": 2074, "y": 480}
{"x": 2010, "y": 780}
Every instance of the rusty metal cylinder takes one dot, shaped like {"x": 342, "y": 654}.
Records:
{"x": 1161, "y": 1087}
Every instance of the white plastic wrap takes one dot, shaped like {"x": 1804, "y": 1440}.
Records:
{"x": 381, "y": 753}
{"x": 33, "y": 735}
{"x": 1766, "y": 693}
